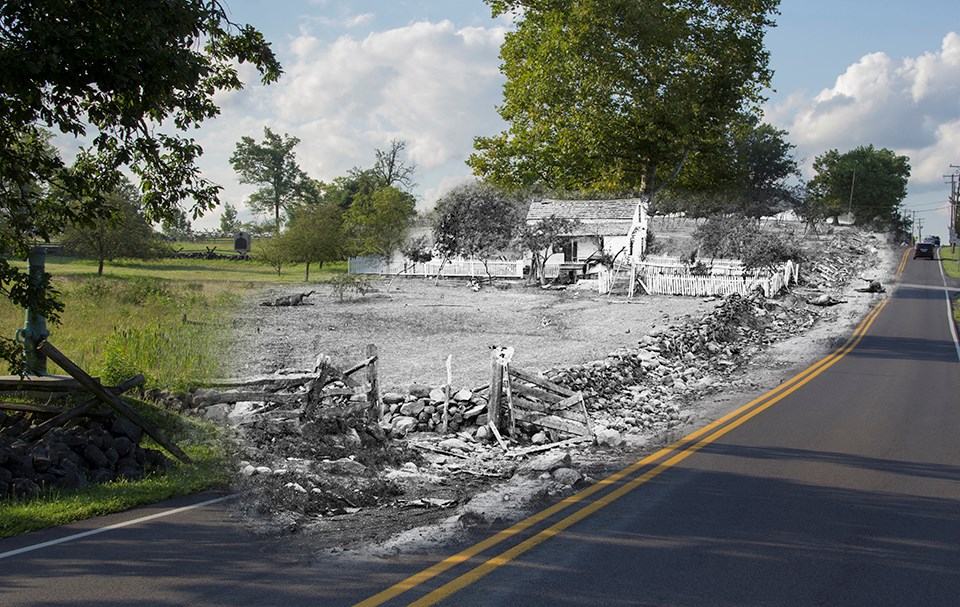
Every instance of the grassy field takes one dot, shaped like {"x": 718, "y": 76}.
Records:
{"x": 129, "y": 321}
{"x": 949, "y": 258}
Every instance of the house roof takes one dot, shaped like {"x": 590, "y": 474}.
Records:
{"x": 587, "y": 211}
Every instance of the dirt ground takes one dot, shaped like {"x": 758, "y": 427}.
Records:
{"x": 416, "y": 324}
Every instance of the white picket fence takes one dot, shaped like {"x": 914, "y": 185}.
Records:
{"x": 718, "y": 278}
{"x": 452, "y": 268}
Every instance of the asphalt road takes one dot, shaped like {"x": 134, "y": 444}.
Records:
{"x": 841, "y": 487}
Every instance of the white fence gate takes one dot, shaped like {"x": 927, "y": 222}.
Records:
{"x": 719, "y": 277}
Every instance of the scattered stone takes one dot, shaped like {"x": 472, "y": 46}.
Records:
{"x": 567, "y": 476}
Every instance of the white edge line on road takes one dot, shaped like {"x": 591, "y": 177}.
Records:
{"x": 143, "y": 519}
{"x": 950, "y": 321}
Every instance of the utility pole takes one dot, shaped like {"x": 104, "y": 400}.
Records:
{"x": 953, "y": 207}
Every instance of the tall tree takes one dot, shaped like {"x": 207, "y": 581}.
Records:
{"x": 612, "y": 94}
{"x": 315, "y": 235}
{"x": 108, "y": 72}
{"x": 542, "y": 237}
{"x": 124, "y": 233}
{"x": 229, "y": 220}
{"x": 747, "y": 172}
{"x": 376, "y": 223}
{"x": 865, "y": 181}
{"x": 177, "y": 227}
{"x": 390, "y": 169}
{"x": 476, "y": 220}
{"x": 272, "y": 165}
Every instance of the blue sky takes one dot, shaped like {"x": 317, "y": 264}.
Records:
{"x": 360, "y": 73}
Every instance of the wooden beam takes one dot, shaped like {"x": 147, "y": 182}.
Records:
{"x": 43, "y": 383}
{"x": 65, "y": 416}
{"x": 542, "y": 382}
{"x": 31, "y": 408}
{"x": 496, "y": 389}
{"x": 534, "y": 392}
{"x": 47, "y": 349}
{"x": 554, "y": 422}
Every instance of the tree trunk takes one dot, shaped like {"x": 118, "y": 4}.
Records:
{"x": 306, "y": 278}
{"x": 100, "y": 267}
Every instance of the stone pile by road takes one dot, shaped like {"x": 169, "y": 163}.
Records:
{"x": 87, "y": 450}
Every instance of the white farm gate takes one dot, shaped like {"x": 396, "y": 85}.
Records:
{"x": 717, "y": 278}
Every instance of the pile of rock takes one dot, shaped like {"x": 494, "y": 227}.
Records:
{"x": 87, "y": 450}
{"x": 421, "y": 410}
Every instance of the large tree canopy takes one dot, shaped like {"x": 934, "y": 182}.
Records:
{"x": 476, "y": 220}
{"x": 747, "y": 172}
{"x": 123, "y": 77}
{"x": 612, "y": 94}
{"x": 869, "y": 183}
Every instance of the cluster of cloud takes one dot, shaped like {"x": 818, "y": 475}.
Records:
{"x": 431, "y": 84}
{"x": 909, "y": 105}
{"x": 436, "y": 86}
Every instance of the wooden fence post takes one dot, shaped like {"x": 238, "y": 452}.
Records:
{"x": 496, "y": 388}
{"x": 114, "y": 401}
{"x": 373, "y": 391}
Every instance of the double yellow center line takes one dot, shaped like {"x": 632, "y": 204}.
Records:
{"x": 668, "y": 457}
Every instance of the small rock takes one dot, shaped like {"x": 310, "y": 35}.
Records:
{"x": 463, "y": 395}
{"x": 567, "y": 476}
{"x": 403, "y": 424}
{"x": 547, "y": 462}
{"x": 452, "y": 444}
{"x": 608, "y": 437}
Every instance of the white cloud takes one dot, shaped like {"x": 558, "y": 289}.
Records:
{"x": 908, "y": 105}
{"x": 430, "y": 84}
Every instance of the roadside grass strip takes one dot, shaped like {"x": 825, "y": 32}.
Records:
{"x": 618, "y": 484}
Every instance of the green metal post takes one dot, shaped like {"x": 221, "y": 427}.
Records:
{"x": 34, "y": 328}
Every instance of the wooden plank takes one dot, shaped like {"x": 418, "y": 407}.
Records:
{"x": 529, "y": 405}
{"x": 533, "y": 392}
{"x": 293, "y": 379}
{"x": 576, "y": 440}
{"x": 373, "y": 384}
{"x": 542, "y": 382}
{"x": 65, "y": 416}
{"x": 44, "y": 383}
{"x": 31, "y": 408}
{"x": 554, "y": 422}
{"x": 496, "y": 434}
{"x": 496, "y": 390}
{"x": 47, "y": 349}
{"x": 543, "y": 409}
{"x": 569, "y": 401}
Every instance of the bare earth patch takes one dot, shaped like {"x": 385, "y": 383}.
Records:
{"x": 416, "y": 324}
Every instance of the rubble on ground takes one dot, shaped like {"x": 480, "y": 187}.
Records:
{"x": 312, "y": 457}
{"x": 95, "y": 449}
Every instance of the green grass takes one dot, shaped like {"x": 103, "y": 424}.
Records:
{"x": 130, "y": 321}
{"x": 949, "y": 256}
{"x": 248, "y": 273}
{"x": 202, "y": 441}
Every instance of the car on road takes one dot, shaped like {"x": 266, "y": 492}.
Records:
{"x": 923, "y": 249}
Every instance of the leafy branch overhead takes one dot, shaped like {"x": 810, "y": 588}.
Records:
{"x": 114, "y": 74}
{"x": 612, "y": 95}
